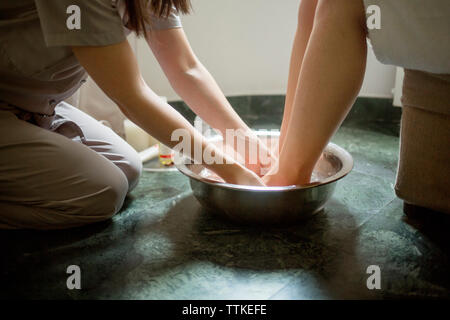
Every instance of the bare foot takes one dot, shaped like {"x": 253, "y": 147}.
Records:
{"x": 277, "y": 177}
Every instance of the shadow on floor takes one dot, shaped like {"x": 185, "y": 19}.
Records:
{"x": 139, "y": 256}
{"x": 311, "y": 249}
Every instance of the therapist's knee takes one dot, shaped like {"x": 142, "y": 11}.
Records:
{"x": 115, "y": 193}
{"x": 103, "y": 200}
{"x": 112, "y": 185}
{"x": 108, "y": 198}
{"x": 132, "y": 168}
{"x": 97, "y": 198}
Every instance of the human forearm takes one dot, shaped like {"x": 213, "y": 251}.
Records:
{"x": 144, "y": 107}
{"x": 150, "y": 112}
{"x": 200, "y": 91}
{"x": 190, "y": 79}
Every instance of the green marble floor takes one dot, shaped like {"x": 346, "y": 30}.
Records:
{"x": 163, "y": 245}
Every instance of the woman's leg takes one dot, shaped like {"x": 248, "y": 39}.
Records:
{"x": 330, "y": 78}
{"x": 48, "y": 181}
{"x": 306, "y": 12}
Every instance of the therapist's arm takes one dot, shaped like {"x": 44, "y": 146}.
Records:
{"x": 195, "y": 85}
{"x": 114, "y": 68}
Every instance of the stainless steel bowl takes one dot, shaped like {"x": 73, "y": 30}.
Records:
{"x": 271, "y": 205}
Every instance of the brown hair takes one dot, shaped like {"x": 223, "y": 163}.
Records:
{"x": 138, "y": 11}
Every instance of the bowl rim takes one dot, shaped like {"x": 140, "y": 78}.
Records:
{"x": 341, "y": 153}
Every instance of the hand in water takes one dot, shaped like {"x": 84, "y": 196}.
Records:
{"x": 248, "y": 178}
{"x": 255, "y": 156}
{"x": 274, "y": 178}
{"x": 277, "y": 177}
{"x": 235, "y": 173}
{"x": 266, "y": 158}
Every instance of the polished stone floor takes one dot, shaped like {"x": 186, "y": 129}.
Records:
{"x": 163, "y": 245}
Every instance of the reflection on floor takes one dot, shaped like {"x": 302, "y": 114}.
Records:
{"x": 163, "y": 245}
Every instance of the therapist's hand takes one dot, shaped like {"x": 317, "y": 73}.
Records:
{"x": 265, "y": 160}
{"x": 235, "y": 173}
{"x": 249, "y": 150}
{"x": 249, "y": 178}
{"x": 115, "y": 70}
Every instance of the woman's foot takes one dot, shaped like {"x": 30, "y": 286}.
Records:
{"x": 284, "y": 176}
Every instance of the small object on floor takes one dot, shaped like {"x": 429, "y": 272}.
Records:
{"x": 165, "y": 155}
{"x": 149, "y": 153}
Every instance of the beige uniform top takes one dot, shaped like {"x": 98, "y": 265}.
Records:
{"x": 37, "y": 67}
